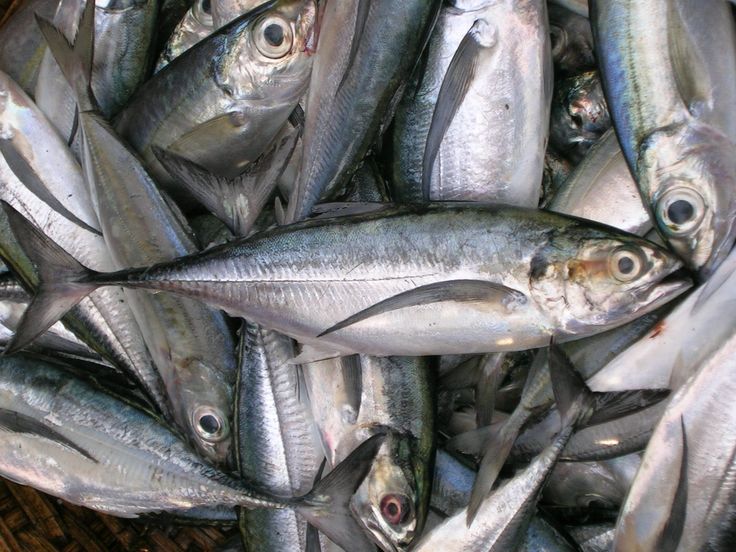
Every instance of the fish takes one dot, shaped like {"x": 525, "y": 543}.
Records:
{"x": 579, "y": 115}
{"x": 594, "y": 538}
{"x": 444, "y": 282}
{"x": 38, "y": 173}
{"x": 365, "y": 51}
{"x": 192, "y": 28}
{"x": 243, "y": 82}
{"x": 73, "y": 441}
{"x": 121, "y": 59}
{"x": 668, "y": 75}
{"x": 501, "y": 519}
{"x": 190, "y": 344}
{"x": 277, "y": 443}
{"x": 395, "y": 394}
{"x": 21, "y": 44}
{"x": 688, "y": 465}
{"x": 573, "y": 51}
{"x": 458, "y": 135}
{"x": 601, "y": 188}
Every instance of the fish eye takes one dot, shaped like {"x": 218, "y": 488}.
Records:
{"x": 680, "y": 209}
{"x": 395, "y": 508}
{"x": 273, "y": 37}
{"x": 209, "y": 424}
{"x": 625, "y": 265}
{"x": 202, "y": 11}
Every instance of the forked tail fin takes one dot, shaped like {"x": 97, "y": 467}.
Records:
{"x": 75, "y": 61}
{"x": 327, "y": 506}
{"x": 61, "y": 281}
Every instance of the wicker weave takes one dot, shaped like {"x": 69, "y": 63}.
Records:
{"x": 32, "y": 521}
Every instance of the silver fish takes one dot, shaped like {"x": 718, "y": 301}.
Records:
{"x": 278, "y": 446}
{"x": 124, "y": 31}
{"x": 194, "y": 26}
{"x": 594, "y": 538}
{"x": 191, "y": 344}
{"x": 602, "y": 189}
{"x": 487, "y": 86}
{"x": 669, "y": 73}
{"x": 688, "y": 465}
{"x": 396, "y": 394}
{"x": 21, "y": 44}
{"x": 365, "y": 52}
{"x": 70, "y": 440}
{"x": 391, "y": 283}
{"x": 241, "y": 84}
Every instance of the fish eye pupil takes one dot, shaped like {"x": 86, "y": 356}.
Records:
{"x": 209, "y": 424}
{"x": 274, "y": 34}
{"x": 625, "y": 265}
{"x": 207, "y": 6}
{"x": 680, "y": 211}
{"x": 392, "y": 509}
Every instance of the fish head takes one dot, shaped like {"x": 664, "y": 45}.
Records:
{"x": 389, "y": 503}
{"x": 687, "y": 174}
{"x": 268, "y": 59}
{"x": 590, "y": 279}
{"x": 579, "y": 115}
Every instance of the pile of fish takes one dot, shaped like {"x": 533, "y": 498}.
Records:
{"x": 360, "y": 274}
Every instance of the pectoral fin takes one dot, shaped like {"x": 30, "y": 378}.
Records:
{"x": 460, "y": 291}
{"x": 16, "y": 422}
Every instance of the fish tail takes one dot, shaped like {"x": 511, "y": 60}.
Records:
{"x": 327, "y": 505}
{"x": 62, "y": 281}
{"x": 75, "y": 60}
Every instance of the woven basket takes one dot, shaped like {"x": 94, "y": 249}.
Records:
{"x": 32, "y": 521}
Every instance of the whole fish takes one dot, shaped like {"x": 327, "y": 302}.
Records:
{"x": 475, "y": 128}
{"x": 579, "y": 115}
{"x": 190, "y": 344}
{"x": 21, "y": 44}
{"x": 669, "y": 74}
{"x": 223, "y": 101}
{"x": 391, "y": 283}
{"x": 278, "y": 446}
{"x": 365, "y": 52}
{"x": 73, "y": 441}
{"x": 502, "y": 518}
{"x": 602, "y": 189}
{"x": 688, "y": 465}
{"x": 124, "y": 32}
{"x": 394, "y": 393}
{"x": 39, "y": 176}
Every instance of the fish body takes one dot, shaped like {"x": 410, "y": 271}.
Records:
{"x": 124, "y": 32}
{"x": 601, "y": 188}
{"x": 221, "y": 103}
{"x": 669, "y": 73}
{"x": 475, "y": 128}
{"x": 533, "y": 260}
{"x": 278, "y": 446}
{"x": 365, "y": 53}
{"x": 21, "y": 45}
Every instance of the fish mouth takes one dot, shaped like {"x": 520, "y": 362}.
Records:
{"x": 673, "y": 284}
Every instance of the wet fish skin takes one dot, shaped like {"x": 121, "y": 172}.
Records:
{"x": 221, "y": 102}
{"x": 457, "y": 135}
{"x": 124, "y": 31}
{"x": 602, "y": 189}
{"x": 365, "y": 53}
{"x": 670, "y": 82}
{"x": 395, "y": 393}
{"x": 21, "y": 44}
{"x": 579, "y": 7}
{"x": 579, "y": 115}
{"x": 192, "y": 28}
{"x": 688, "y": 464}
{"x": 594, "y": 538}
{"x": 278, "y": 446}
{"x": 113, "y": 458}
{"x": 553, "y": 246}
